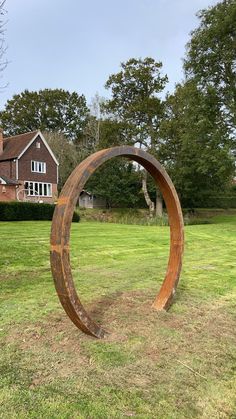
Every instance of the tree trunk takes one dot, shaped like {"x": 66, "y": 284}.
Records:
{"x": 159, "y": 204}
{"x": 149, "y": 203}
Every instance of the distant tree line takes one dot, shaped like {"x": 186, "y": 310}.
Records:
{"x": 192, "y": 131}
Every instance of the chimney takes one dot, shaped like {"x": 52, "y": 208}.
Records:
{"x": 1, "y": 141}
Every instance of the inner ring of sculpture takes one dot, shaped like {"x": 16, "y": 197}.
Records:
{"x": 60, "y": 233}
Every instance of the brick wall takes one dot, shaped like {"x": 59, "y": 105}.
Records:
{"x": 7, "y": 192}
{"x": 8, "y": 169}
{"x": 38, "y": 154}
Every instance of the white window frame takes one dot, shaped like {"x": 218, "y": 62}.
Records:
{"x": 38, "y": 166}
{"x": 40, "y": 185}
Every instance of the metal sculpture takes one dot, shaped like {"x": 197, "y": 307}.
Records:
{"x": 60, "y": 233}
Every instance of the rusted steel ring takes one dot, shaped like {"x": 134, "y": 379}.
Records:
{"x": 60, "y": 233}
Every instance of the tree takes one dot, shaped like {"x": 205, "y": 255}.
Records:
{"x": 112, "y": 133}
{"x": 211, "y": 56}
{"x": 65, "y": 152}
{"x": 47, "y": 110}
{"x": 135, "y": 104}
{"x": 117, "y": 181}
{"x": 89, "y": 141}
{"x": 3, "y": 62}
{"x": 135, "y": 101}
{"x": 195, "y": 147}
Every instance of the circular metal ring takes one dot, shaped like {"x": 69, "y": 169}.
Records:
{"x": 60, "y": 233}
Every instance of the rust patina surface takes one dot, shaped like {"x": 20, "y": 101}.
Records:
{"x": 60, "y": 233}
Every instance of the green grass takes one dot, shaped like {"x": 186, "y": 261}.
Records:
{"x": 180, "y": 364}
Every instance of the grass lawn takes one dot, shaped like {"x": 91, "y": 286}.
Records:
{"x": 180, "y": 364}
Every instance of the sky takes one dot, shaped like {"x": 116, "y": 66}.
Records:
{"x": 76, "y": 44}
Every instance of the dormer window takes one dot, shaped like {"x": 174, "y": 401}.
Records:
{"x": 38, "y": 166}
{"x": 38, "y": 144}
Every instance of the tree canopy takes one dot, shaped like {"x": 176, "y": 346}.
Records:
{"x": 137, "y": 108}
{"x": 47, "y": 110}
{"x": 135, "y": 100}
{"x": 192, "y": 131}
{"x": 195, "y": 148}
{"x": 211, "y": 55}
{"x": 118, "y": 182}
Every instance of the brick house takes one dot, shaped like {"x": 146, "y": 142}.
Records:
{"x": 28, "y": 168}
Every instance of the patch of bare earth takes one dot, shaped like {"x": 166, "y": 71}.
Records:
{"x": 202, "y": 333}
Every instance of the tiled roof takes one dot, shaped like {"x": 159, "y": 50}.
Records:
{"x": 9, "y": 181}
{"x": 13, "y": 146}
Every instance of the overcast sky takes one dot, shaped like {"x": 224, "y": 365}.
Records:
{"x": 77, "y": 44}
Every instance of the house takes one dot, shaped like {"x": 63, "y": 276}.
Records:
{"x": 88, "y": 200}
{"x": 28, "y": 168}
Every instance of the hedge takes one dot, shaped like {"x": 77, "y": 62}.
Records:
{"x": 224, "y": 201}
{"x": 23, "y": 211}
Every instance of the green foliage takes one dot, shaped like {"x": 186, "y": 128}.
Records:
{"x": 198, "y": 130}
{"x": 209, "y": 199}
{"x": 21, "y": 211}
{"x": 195, "y": 147}
{"x": 137, "y": 216}
{"x": 192, "y": 133}
{"x": 134, "y": 99}
{"x": 129, "y": 216}
{"x": 144, "y": 221}
{"x": 211, "y": 55}
{"x": 47, "y": 110}
{"x": 135, "y": 104}
{"x": 118, "y": 182}
{"x": 196, "y": 221}
{"x": 112, "y": 133}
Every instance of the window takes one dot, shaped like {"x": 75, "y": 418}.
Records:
{"x": 38, "y": 189}
{"x": 38, "y": 144}
{"x": 38, "y": 166}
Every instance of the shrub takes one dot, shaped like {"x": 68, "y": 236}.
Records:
{"x": 210, "y": 200}
{"x": 196, "y": 221}
{"x": 25, "y": 211}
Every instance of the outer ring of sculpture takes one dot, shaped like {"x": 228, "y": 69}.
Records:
{"x": 60, "y": 233}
